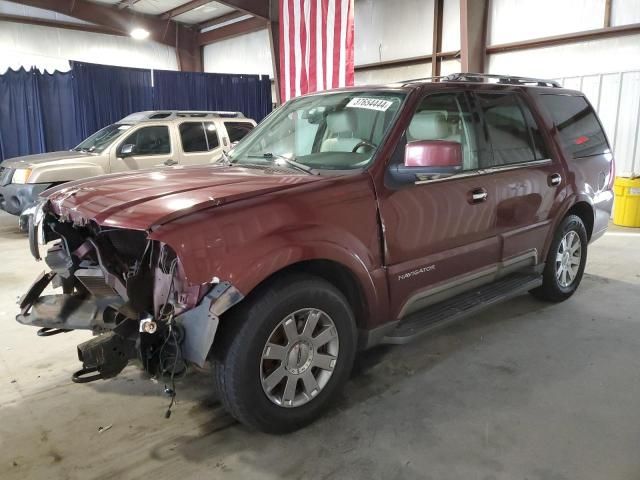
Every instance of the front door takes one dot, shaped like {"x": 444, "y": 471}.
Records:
{"x": 440, "y": 233}
{"x": 150, "y": 147}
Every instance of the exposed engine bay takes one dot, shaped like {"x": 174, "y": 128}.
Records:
{"x": 128, "y": 290}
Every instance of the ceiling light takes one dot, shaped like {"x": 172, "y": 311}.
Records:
{"x": 139, "y": 33}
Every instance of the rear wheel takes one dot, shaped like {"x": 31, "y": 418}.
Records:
{"x": 566, "y": 260}
{"x": 285, "y": 353}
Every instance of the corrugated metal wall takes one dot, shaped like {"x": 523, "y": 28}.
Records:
{"x": 616, "y": 97}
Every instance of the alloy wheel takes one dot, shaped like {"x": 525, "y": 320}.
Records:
{"x": 299, "y": 357}
{"x": 568, "y": 259}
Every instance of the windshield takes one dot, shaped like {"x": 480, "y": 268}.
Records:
{"x": 102, "y": 138}
{"x": 335, "y": 131}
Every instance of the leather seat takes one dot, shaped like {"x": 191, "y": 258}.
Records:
{"x": 342, "y": 128}
{"x": 430, "y": 125}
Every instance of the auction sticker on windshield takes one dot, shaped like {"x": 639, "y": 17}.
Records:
{"x": 370, "y": 103}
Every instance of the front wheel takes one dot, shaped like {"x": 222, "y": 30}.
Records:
{"x": 285, "y": 354}
{"x": 565, "y": 263}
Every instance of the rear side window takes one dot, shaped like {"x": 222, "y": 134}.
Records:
{"x": 513, "y": 134}
{"x": 580, "y": 132}
{"x": 238, "y": 130}
{"x": 198, "y": 136}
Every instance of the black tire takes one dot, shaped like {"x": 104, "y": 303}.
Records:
{"x": 551, "y": 289}
{"x": 244, "y": 334}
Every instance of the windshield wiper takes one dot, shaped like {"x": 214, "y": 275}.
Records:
{"x": 226, "y": 161}
{"x": 292, "y": 163}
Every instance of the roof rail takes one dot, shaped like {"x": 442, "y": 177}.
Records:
{"x": 423, "y": 79}
{"x": 485, "y": 77}
{"x": 173, "y": 114}
{"x": 198, "y": 113}
{"x": 502, "y": 79}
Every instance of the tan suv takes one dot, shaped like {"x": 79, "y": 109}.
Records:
{"x": 139, "y": 141}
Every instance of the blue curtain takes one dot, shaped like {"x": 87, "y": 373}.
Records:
{"x": 42, "y": 112}
{"x": 249, "y": 94}
{"x": 105, "y": 94}
{"x": 59, "y": 118}
{"x": 21, "y": 130}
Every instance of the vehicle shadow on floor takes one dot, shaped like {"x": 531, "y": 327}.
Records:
{"x": 200, "y": 432}
{"x": 382, "y": 370}
{"x": 376, "y": 372}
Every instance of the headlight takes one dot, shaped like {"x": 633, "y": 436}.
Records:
{"x": 21, "y": 175}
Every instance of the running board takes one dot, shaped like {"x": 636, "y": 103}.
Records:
{"x": 461, "y": 306}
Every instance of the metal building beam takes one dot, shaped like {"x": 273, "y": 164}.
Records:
{"x": 167, "y": 32}
{"x": 274, "y": 43}
{"x": 83, "y": 27}
{"x": 221, "y": 19}
{"x": 632, "y": 29}
{"x": 257, "y": 8}
{"x": 607, "y": 13}
{"x": 438, "y": 6}
{"x": 233, "y": 30}
{"x": 473, "y": 34}
{"x": 187, "y": 7}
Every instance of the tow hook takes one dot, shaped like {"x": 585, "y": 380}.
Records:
{"x": 104, "y": 356}
{"x": 47, "y": 332}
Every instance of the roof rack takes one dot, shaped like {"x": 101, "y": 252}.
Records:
{"x": 219, "y": 113}
{"x": 485, "y": 77}
{"x": 503, "y": 79}
{"x": 172, "y": 114}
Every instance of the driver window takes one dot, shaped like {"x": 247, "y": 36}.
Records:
{"x": 150, "y": 141}
{"x": 446, "y": 116}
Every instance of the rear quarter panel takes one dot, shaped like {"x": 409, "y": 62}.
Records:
{"x": 587, "y": 179}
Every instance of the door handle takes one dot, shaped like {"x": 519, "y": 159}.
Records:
{"x": 555, "y": 179}
{"x": 478, "y": 195}
{"x": 170, "y": 162}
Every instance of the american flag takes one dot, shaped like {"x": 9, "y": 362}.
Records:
{"x": 316, "y": 46}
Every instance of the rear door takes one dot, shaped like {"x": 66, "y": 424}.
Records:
{"x": 151, "y": 148}
{"x": 440, "y": 234}
{"x": 528, "y": 181}
{"x": 199, "y": 141}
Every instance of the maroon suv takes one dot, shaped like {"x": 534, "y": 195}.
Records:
{"x": 346, "y": 219}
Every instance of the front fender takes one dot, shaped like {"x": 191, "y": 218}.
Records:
{"x": 246, "y": 242}
{"x": 65, "y": 172}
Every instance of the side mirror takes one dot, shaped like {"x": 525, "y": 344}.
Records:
{"x": 429, "y": 159}
{"x": 127, "y": 150}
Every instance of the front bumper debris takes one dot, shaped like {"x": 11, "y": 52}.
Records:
{"x": 127, "y": 290}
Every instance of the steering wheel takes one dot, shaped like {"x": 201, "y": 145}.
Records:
{"x": 363, "y": 143}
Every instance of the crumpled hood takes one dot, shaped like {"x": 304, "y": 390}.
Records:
{"x": 40, "y": 158}
{"x": 143, "y": 199}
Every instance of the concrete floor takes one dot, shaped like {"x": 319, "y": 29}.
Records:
{"x": 525, "y": 391}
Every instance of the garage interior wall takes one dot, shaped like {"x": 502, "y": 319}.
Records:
{"x": 607, "y": 70}
{"x": 379, "y": 40}
{"x": 249, "y": 54}
{"x": 50, "y": 49}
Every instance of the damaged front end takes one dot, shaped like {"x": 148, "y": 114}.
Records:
{"x": 128, "y": 290}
